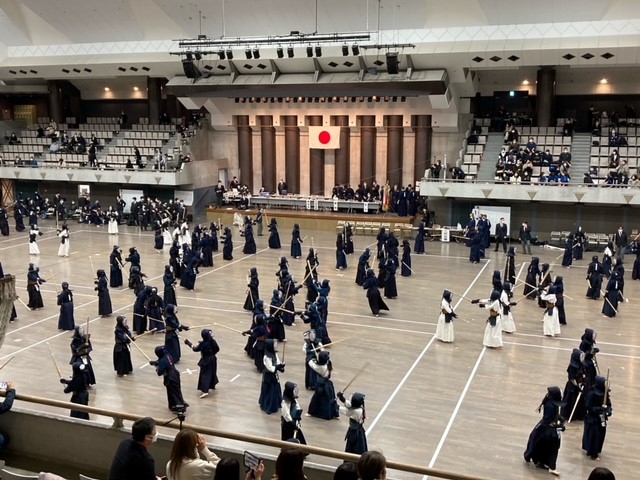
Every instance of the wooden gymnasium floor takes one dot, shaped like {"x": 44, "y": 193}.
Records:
{"x": 457, "y": 407}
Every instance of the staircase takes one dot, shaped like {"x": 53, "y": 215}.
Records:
{"x": 487, "y": 169}
{"x": 580, "y": 156}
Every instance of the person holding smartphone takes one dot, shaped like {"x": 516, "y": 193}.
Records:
{"x": 5, "y": 406}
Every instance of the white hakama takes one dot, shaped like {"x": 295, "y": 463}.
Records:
{"x": 550, "y": 323}
{"x": 33, "y": 248}
{"x": 166, "y": 236}
{"x": 444, "y": 329}
{"x": 493, "y": 334}
{"x": 113, "y": 226}
{"x": 508, "y": 324}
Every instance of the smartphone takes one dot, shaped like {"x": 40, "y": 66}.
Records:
{"x": 251, "y": 461}
{"x": 3, "y": 385}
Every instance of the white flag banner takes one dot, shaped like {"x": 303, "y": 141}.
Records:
{"x": 324, "y": 137}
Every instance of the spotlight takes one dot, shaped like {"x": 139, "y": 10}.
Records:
{"x": 190, "y": 69}
{"x": 256, "y": 53}
{"x": 247, "y": 53}
{"x": 198, "y": 56}
{"x": 392, "y": 63}
{"x": 190, "y": 56}
{"x": 309, "y": 51}
{"x": 290, "y": 51}
{"x": 355, "y": 49}
{"x": 221, "y": 54}
{"x": 318, "y": 51}
{"x": 280, "y": 51}
{"x": 345, "y": 50}
{"x": 229, "y": 53}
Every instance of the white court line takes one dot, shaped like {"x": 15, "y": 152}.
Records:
{"x": 375, "y": 327}
{"x": 549, "y": 347}
{"x": 194, "y": 299}
{"x": 27, "y": 243}
{"x": 48, "y": 318}
{"x": 422, "y": 354}
{"x": 235, "y": 378}
{"x": 455, "y": 411}
{"x": 535, "y": 335}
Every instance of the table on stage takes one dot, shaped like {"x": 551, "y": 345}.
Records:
{"x": 314, "y": 203}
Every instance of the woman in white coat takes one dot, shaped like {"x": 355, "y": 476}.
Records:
{"x": 444, "y": 329}
{"x": 550, "y": 319}
{"x": 190, "y": 458}
{"x": 63, "y": 234}
{"x": 493, "y": 330}
{"x": 506, "y": 317}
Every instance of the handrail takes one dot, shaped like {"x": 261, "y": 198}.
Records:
{"x": 530, "y": 184}
{"x": 325, "y": 452}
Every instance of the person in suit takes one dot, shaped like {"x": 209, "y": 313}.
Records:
{"x": 525, "y": 237}
{"x": 501, "y": 235}
{"x": 621, "y": 241}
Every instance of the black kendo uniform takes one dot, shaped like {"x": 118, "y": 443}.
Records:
{"x": 249, "y": 241}
{"x": 405, "y": 269}
{"x": 270, "y": 398}
{"x": 323, "y": 403}
{"x": 65, "y": 300}
{"x": 381, "y": 242}
{"x": 169, "y": 281}
{"x": 291, "y": 412}
{"x": 594, "y": 278}
{"x": 172, "y": 327}
{"x": 348, "y": 239}
{"x": 311, "y": 275}
{"x": 289, "y": 291}
{"x": 573, "y": 388}
{"x": 296, "y": 242}
{"x": 354, "y": 409}
{"x": 363, "y": 266}
{"x": 612, "y": 295}
{"x": 104, "y": 299}
{"x": 227, "y": 250}
{"x": 214, "y": 236}
{"x": 544, "y": 440}
{"x": 4, "y": 222}
{"x": 77, "y": 386}
{"x": 80, "y": 350}
{"x": 252, "y": 290}
{"x": 121, "y": 350}
{"x": 274, "y": 236}
{"x": 370, "y": 284}
{"x": 546, "y": 281}
{"x": 418, "y": 246}
{"x": 533, "y": 276}
{"x": 311, "y": 347}
{"x": 208, "y": 363}
{"x": 153, "y": 307}
{"x": 255, "y": 343}
{"x": 392, "y": 247}
{"x": 188, "y": 279}
{"x": 140, "y": 312}
{"x": 174, "y": 259}
{"x": 33, "y": 288}
{"x": 206, "y": 246}
{"x": 115, "y": 260}
{"x": 390, "y": 288}
{"x": 171, "y": 379}
{"x": 134, "y": 260}
{"x": 598, "y": 411}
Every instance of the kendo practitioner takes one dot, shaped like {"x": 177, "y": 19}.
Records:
{"x": 579, "y": 239}
{"x": 611, "y": 296}
{"x": 249, "y": 242}
{"x": 296, "y": 242}
{"x": 174, "y": 259}
{"x": 169, "y": 281}
{"x": 253, "y": 294}
{"x": 121, "y": 350}
{"x": 418, "y": 246}
{"x": 77, "y": 386}
{"x": 348, "y": 239}
{"x": 4, "y": 222}
{"x": 104, "y": 299}
{"x": 213, "y": 228}
{"x": 544, "y": 440}
{"x": 34, "y": 233}
{"x": 311, "y": 275}
{"x": 341, "y": 256}
{"x": 532, "y": 279}
{"x": 444, "y": 329}
{"x": 474, "y": 244}
{"x": 405, "y": 271}
{"x": 507, "y": 323}
{"x": 166, "y": 369}
{"x": 550, "y": 319}
{"x": 172, "y": 326}
{"x": 256, "y": 342}
{"x": 275, "y": 324}
{"x": 270, "y": 391}
{"x": 619, "y": 269}
{"x": 188, "y": 279}
{"x": 558, "y": 283}
{"x": 635, "y": 272}
{"x": 312, "y": 317}
{"x": 510, "y": 267}
{"x": 496, "y": 280}
{"x": 607, "y": 257}
{"x": 390, "y": 288}
{"x": 208, "y": 363}
{"x": 65, "y": 300}
{"x": 227, "y": 249}
{"x": 573, "y": 390}
{"x": 18, "y": 215}
{"x": 63, "y": 234}
{"x": 546, "y": 281}
{"x": 289, "y": 290}
{"x": 370, "y": 284}
{"x": 363, "y": 266}
{"x": 136, "y": 282}
{"x": 598, "y": 409}
{"x": 206, "y": 247}
{"x": 323, "y": 403}
{"x": 392, "y": 248}
{"x": 354, "y": 409}
{"x": 140, "y": 311}
{"x": 567, "y": 258}
{"x": 493, "y": 330}
{"x": 134, "y": 260}
{"x": 115, "y": 260}
{"x": 274, "y": 236}
{"x": 311, "y": 348}
{"x": 153, "y": 306}
{"x": 80, "y": 352}
{"x": 381, "y": 243}
{"x": 291, "y": 414}
{"x": 33, "y": 287}
{"x": 158, "y": 240}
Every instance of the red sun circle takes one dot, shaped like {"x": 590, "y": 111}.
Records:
{"x": 324, "y": 137}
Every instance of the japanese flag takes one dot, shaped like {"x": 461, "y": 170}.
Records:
{"x": 324, "y": 137}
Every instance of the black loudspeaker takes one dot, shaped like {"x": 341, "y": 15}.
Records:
{"x": 392, "y": 63}
{"x": 190, "y": 70}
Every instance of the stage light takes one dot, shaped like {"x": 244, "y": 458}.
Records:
{"x": 198, "y": 56}
{"x": 318, "y": 51}
{"x": 247, "y": 53}
{"x": 190, "y": 56}
{"x": 256, "y": 53}
{"x": 345, "y": 50}
{"x": 280, "y": 51}
{"x": 221, "y": 54}
{"x": 355, "y": 49}
{"x": 290, "y": 51}
{"x": 229, "y": 53}
{"x": 392, "y": 63}
{"x": 309, "y": 51}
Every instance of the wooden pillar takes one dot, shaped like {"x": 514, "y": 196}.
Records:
{"x": 292, "y": 153}
{"x": 245, "y": 150}
{"x": 395, "y": 132}
{"x": 367, "y": 148}
{"x": 316, "y": 170}
{"x": 342, "y": 155}
{"x": 422, "y": 128}
{"x": 268, "y": 150}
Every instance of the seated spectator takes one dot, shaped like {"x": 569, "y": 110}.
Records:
{"x": 614, "y": 159}
{"x": 40, "y": 132}
{"x": 503, "y": 154}
{"x": 62, "y": 162}
{"x": 55, "y": 147}
{"x": 229, "y": 469}
{"x": 623, "y": 169}
{"x": 588, "y": 179}
{"x": 601, "y": 473}
{"x": 564, "y": 179}
{"x": 132, "y": 460}
{"x": 13, "y": 139}
{"x": 129, "y": 165}
{"x": 546, "y": 157}
{"x": 290, "y": 464}
{"x": 5, "y": 406}
{"x": 512, "y": 134}
{"x": 565, "y": 156}
{"x": 635, "y": 181}
{"x": 531, "y": 145}
{"x": 94, "y": 140}
{"x": 435, "y": 169}
{"x": 616, "y": 140}
{"x": 372, "y": 466}
{"x": 190, "y": 458}
{"x": 457, "y": 173}
{"x": 346, "y": 471}
{"x": 567, "y": 128}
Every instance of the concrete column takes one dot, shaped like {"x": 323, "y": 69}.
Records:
{"x": 268, "y": 150}
{"x": 55, "y": 100}
{"x": 245, "y": 151}
{"x": 342, "y": 155}
{"x": 367, "y": 148}
{"x": 546, "y": 96}
{"x": 292, "y": 153}
{"x": 154, "y": 99}
{"x": 395, "y": 132}
{"x": 423, "y": 131}
{"x": 316, "y": 160}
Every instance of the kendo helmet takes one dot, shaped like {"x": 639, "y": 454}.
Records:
{"x": 357, "y": 400}
{"x": 555, "y": 395}
{"x": 259, "y": 305}
{"x": 160, "y": 351}
{"x": 78, "y": 367}
{"x": 600, "y": 385}
{"x": 291, "y": 391}
{"x": 65, "y": 286}
{"x": 576, "y": 358}
{"x": 135, "y": 269}
{"x": 310, "y": 334}
{"x": 447, "y": 295}
{"x": 170, "y": 308}
{"x": 206, "y": 334}
{"x": 270, "y": 345}
{"x": 323, "y": 358}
